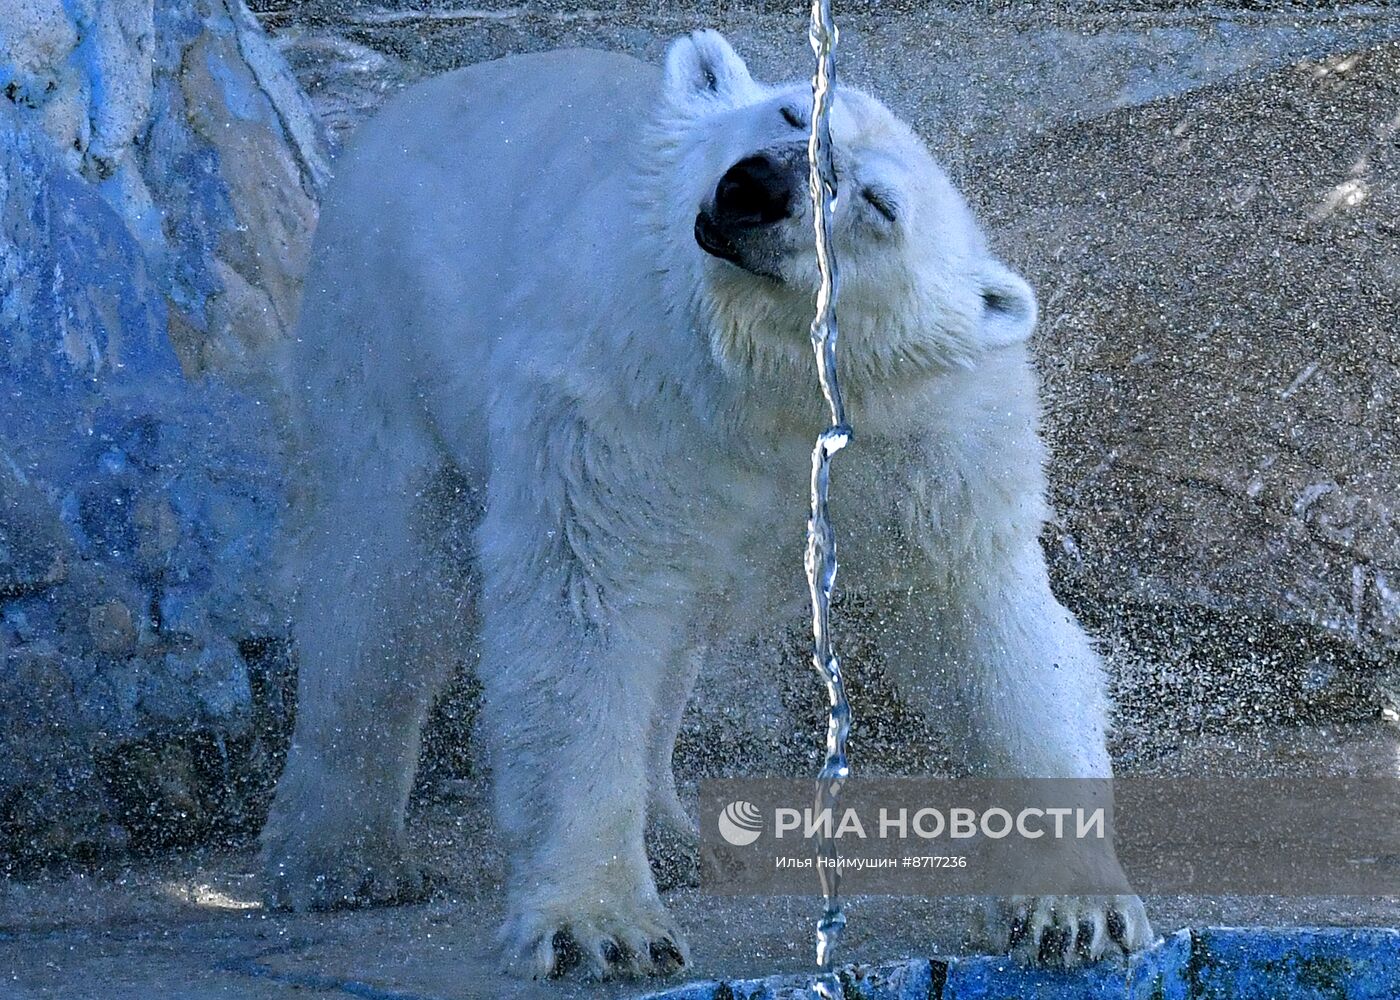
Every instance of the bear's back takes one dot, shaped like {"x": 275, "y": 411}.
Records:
{"x": 574, "y": 98}
{"x": 499, "y": 149}
{"x": 466, "y": 220}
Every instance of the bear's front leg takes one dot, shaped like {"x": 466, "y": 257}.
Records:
{"x": 990, "y": 654}
{"x": 570, "y": 685}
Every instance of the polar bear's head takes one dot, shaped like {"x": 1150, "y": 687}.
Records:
{"x": 919, "y": 289}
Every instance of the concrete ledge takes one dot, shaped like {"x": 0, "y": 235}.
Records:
{"x": 1214, "y": 963}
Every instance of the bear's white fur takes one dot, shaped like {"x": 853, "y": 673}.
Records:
{"x": 508, "y": 284}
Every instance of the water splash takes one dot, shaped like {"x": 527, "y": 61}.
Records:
{"x": 820, "y": 558}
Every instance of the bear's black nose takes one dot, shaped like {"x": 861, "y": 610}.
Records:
{"x": 756, "y": 191}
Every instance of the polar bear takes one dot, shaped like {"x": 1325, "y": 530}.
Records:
{"x": 584, "y": 287}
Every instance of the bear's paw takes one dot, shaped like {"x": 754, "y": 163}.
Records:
{"x": 344, "y": 879}
{"x": 1062, "y": 931}
{"x": 612, "y": 937}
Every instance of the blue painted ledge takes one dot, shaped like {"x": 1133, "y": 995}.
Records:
{"x": 1214, "y": 963}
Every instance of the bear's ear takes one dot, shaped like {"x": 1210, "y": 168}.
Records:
{"x": 1008, "y": 306}
{"x": 704, "y": 65}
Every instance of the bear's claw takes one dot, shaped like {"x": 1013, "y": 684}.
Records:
{"x": 602, "y": 945}
{"x": 1063, "y": 931}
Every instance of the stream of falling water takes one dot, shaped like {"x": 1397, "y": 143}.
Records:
{"x": 820, "y": 558}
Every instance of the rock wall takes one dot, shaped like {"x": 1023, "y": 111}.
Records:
{"x": 1220, "y": 348}
{"x": 159, "y": 169}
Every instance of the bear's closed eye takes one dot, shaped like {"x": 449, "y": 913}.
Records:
{"x": 880, "y": 202}
{"x": 1001, "y": 303}
{"x": 794, "y": 119}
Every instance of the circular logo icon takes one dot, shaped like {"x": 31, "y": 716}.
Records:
{"x": 740, "y": 823}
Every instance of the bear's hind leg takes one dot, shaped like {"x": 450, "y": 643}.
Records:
{"x": 374, "y": 611}
{"x": 673, "y": 839}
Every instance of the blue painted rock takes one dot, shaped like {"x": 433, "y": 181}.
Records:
{"x": 158, "y": 179}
